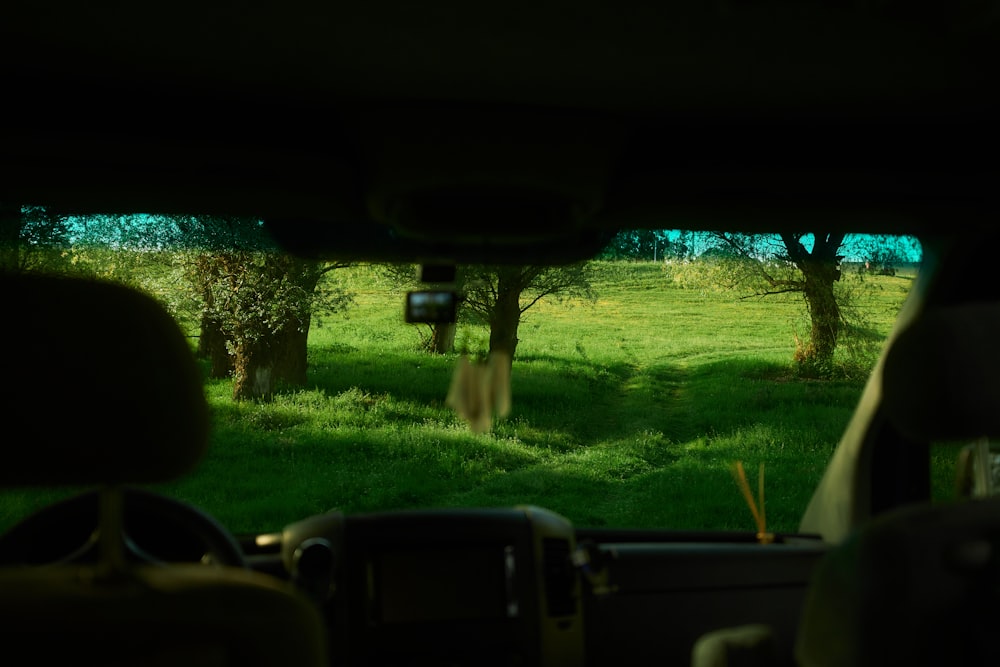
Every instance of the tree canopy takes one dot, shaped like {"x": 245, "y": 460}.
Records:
{"x": 500, "y": 295}
{"x": 649, "y": 244}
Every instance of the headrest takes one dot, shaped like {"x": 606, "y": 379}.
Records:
{"x": 941, "y": 379}
{"x": 102, "y": 387}
{"x": 915, "y": 586}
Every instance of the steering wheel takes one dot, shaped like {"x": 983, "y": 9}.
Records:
{"x": 157, "y": 529}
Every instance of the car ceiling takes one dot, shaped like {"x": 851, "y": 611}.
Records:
{"x": 507, "y": 131}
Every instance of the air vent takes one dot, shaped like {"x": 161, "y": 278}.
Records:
{"x": 559, "y": 576}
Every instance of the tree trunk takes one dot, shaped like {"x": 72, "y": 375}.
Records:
{"x": 507, "y": 314}
{"x": 291, "y": 343}
{"x": 260, "y": 367}
{"x": 253, "y": 373}
{"x": 824, "y": 316}
{"x": 442, "y": 338}
{"x": 212, "y": 346}
{"x": 290, "y": 357}
{"x": 820, "y": 271}
{"x": 211, "y": 338}
{"x": 278, "y": 357}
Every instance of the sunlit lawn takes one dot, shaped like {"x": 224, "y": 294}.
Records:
{"x": 627, "y": 411}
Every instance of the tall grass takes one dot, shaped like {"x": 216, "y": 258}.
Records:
{"x": 627, "y": 411}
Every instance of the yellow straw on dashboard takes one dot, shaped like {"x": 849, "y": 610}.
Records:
{"x": 759, "y": 515}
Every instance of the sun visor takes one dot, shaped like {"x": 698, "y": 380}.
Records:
{"x": 941, "y": 380}
{"x": 381, "y": 243}
{"x": 102, "y": 386}
{"x": 471, "y": 184}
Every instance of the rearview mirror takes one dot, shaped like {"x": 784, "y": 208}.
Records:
{"x": 431, "y": 306}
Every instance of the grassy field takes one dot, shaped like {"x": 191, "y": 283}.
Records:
{"x": 627, "y": 411}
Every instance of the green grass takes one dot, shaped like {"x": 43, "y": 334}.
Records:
{"x": 627, "y": 412}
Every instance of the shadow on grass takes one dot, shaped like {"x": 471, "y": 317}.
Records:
{"x": 725, "y": 396}
{"x": 407, "y": 376}
{"x": 587, "y": 402}
{"x": 616, "y": 445}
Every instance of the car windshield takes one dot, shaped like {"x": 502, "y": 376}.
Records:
{"x": 668, "y": 383}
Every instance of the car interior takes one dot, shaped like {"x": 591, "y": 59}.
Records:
{"x": 443, "y": 133}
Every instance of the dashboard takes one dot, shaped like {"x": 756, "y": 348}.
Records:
{"x": 522, "y": 586}
{"x": 493, "y": 586}
{"x": 502, "y": 586}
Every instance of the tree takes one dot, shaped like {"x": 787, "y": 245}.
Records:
{"x": 807, "y": 263}
{"x": 883, "y": 254}
{"x": 253, "y": 304}
{"x": 28, "y": 235}
{"x": 214, "y": 250}
{"x": 256, "y": 304}
{"x": 500, "y": 295}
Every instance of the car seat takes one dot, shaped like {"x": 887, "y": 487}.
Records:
{"x": 103, "y": 393}
{"x": 917, "y": 584}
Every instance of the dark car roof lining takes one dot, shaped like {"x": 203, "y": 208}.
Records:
{"x": 578, "y": 54}
{"x": 587, "y": 116}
